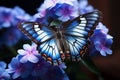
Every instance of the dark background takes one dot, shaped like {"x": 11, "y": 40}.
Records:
{"x": 110, "y": 65}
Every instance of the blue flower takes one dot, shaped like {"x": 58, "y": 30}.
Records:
{"x": 51, "y": 3}
{"x": 17, "y": 69}
{"x": 49, "y": 16}
{"x": 35, "y": 67}
{"x": 51, "y": 10}
{"x": 10, "y": 18}
{"x": 6, "y": 17}
{"x": 40, "y": 68}
{"x": 2, "y": 64}
{"x": 47, "y": 4}
{"x": 21, "y": 16}
{"x": 54, "y": 73}
{"x": 29, "y": 53}
{"x": 66, "y": 12}
{"x": 84, "y": 7}
{"x": 101, "y": 41}
{"x": 45, "y": 71}
{"x": 62, "y": 10}
{"x": 3, "y": 73}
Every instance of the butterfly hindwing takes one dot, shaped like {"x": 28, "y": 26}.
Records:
{"x": 78, "y": 32}
{"x": 50, "y": 51}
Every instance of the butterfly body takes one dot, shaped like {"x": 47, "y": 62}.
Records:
{"x": 66, "y": 40}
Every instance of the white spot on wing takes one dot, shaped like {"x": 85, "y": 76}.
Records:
{"x": 79, "y": 27}
{"x": 82, "y": 25}
{"x": 37, "y": 29}
{"x": 36, "y": 26}
{"x": 82, "y": 19}
{"x": 45, "y": 38}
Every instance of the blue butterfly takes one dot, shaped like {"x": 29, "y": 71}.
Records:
{"x": 68, "y": 40}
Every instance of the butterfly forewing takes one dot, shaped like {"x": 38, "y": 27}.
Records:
{"x": 35, "y": 32}
{"x": 78, "y": 31}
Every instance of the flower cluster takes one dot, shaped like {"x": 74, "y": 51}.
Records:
{"x": 101, "y": 41}
{"x": 10, "y": 18}
{"x": 28, "y": 63}
{"x": 3, "y": 73}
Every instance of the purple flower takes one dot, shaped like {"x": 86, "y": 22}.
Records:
{"x": 6, "y": 17}
{"x": 55, "y": 73}
{"x": 50, "y": 4}
{"x": 71, "y": 2}
{"x": 21, "y": 16}
{"x": 30, "y": 64}
{"x": 10, "y": 18}
{"x": 47, "y": 4}
{"x": 17, "y": 69}
{"x": 3, "y": 73}
{"x": 84, "y": 7}
{"x": 41, "y": 70}
{"x": 101, "y": 41}
{"x": 62, "y": 67}
{"x": 2, "y": 64}
{"x": 63, "y": 10}
{"x": 66, "y": 12}
{"x": 29, "y": 53}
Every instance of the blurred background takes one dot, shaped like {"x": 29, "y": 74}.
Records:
{"x": 109, "y": 65}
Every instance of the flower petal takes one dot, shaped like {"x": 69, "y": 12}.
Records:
{"x": 27, "y": 47}
{"x": 22, "y": 52}
{"x": 2, "y": 64}
{"x": 103, "y": 53}
{"x": 109, "y": 51}
{"x": 34, "y": 46}
{"x": 24, "y": 59}
{"x": 33, "y": 59}
{"x": 10, "y": 70}
{"x": 16, "y": 75}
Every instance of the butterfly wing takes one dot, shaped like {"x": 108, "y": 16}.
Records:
{"x": 44, "y": 38}
{"x": 76, "y": 35}
{"x": 78, "y": 32}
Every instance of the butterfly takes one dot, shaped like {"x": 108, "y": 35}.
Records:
{"x": 68, "y": 40}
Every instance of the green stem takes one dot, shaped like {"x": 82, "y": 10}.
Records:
{"x": 92, "y": 70}
{"x": 87, "y": 66}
